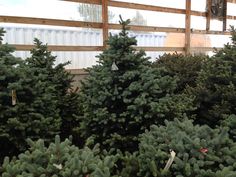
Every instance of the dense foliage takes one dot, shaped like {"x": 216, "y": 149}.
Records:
{"x": 124, "y": 95}
{"x": 59, "y": 159}
{"x": 200, "y": 151}
{"x": 42, "y": 63}
{"x": 28, "y": 109}
{"x": 215, "y": 93}
{"x": 185, "y": 68}
{"x": 35, "y": 101}
{"x": 136, "y": 111}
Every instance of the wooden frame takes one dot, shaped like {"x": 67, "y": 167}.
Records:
{"x": 105, "y": 26}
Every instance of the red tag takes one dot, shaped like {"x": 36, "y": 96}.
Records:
{"x": 203, "y": 150}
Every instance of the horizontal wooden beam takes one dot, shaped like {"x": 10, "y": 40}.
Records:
{"x": 197, "y": 13}
{"x": 160, "y": 49}
{"x": 145, "y": 7}
{"x": 205, "y": 48}
{"x": 231, "y": 1}
{"x": 77, "y": 71}
{"x": 22, "y": 47}
{"x": 210, "y": 32}
{"x": 43, "y": 21}
{"x": 148, "y": 28}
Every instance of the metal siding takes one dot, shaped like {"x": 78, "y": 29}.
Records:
{"x": 52, "y": 36}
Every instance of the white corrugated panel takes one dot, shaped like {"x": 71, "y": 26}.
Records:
{"x": 73, "y": 36}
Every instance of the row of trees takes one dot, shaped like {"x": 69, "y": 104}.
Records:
{"x": 131, "y": 117}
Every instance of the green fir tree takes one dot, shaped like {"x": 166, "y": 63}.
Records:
{"x": 10, "y": 74}
{"x": 124, "y": 95}
{"x": 66, "y": 97}
{"x": 185, "y": 68}
{"x": 215, "y": 93}
{"x": 28, "y": 105}
{"x": 60, "y": 159}
{"x": 200, "y": 151}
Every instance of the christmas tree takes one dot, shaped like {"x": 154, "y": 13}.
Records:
{"x": 59, "y": 159}
{"x": 181, "y": 149}
{"x": 9, "y": 75}
{"x": 185, "y": 68}
{"x": 215, "y": 93}
{"x": 124, "y": 95}
{"x": 66, "y": 97}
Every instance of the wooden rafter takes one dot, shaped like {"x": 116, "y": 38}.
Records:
{"x": 187, "y": 27}
{"x": 105, "y": 21}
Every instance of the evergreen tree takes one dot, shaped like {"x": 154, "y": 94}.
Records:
{"x": 28, "y": 106}
{"x": 124, "y": 95}
{"x": 185, "y": 68}
{"x": 9, "y": 75}
{"x": 66, "y": 98}
{"x": 200, "y": 151}
{"x": 43, "y": 103}
{"x": 59, "y": 159}
{"x": 215, "y": 93}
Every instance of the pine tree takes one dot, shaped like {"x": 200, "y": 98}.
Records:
{"x": 185, "y": 68}
{"x": 59, "y": 159}
{"x": 200, "y": 151}
{"x": 9, "y": 75}
{"x": 66, "y": 97}
{"x": 124, "y": 95}
{"x": 215, "y": 93}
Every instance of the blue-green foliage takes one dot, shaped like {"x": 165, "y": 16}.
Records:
{"x": 200, "y": 151}
{"x": 118, "y": 105}
{"x": 60, "y": 159}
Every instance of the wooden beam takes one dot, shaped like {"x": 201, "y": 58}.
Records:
{"x": 224, "y": 15}
{"x": 157, "y": 49}
{"x": 211, "y": 32}
{"x": 148, "y": 28}
{"x": 145, "y": 7}
{"x": 231, "y": 1}
{"x": 205, "y": 48}
{"x": 105, "y": 21}
{"x": 77, "y": 71}
{"x": 187, "y": 27}
{"x": 54, "y": 22}
{"x": 208, "y": 20}
{"x": 23, "y": 47}
{"x": 230, "y": 17}
{"x": 149, "y": 7}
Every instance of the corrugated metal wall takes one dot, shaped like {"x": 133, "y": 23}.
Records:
{"x": 73, "y": 36}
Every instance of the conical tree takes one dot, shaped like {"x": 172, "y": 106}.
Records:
{"x": 66, "y": 98}
{"x": 28, "y": 105}
{"x": 215, "y": 93}
{"x": 124, "y": 95}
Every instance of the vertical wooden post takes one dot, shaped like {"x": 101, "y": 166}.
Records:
{"x": 225, "y": 15}
{"x": 105, "y": 21}
{"x": 187, "y": 27}
{"x": 208, "y": 20}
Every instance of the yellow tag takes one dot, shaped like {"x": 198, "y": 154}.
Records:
{"x": 13, "y": 97}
